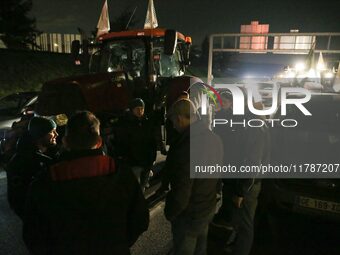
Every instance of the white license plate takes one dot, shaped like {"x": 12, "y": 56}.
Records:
{"x": 319, "y": 204}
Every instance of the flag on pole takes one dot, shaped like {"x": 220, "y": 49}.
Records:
{"x": 103, "y": 26}
{"x": 310, "y": 61}
{"x": 321, "y": 64}
{"x": 151, "y": 19}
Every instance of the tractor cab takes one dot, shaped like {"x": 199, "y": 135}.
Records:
{"x": 122, "y": 66}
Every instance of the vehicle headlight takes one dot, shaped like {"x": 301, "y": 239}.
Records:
{"x": 329, "y": 75}
{"x": 300, "y": 67}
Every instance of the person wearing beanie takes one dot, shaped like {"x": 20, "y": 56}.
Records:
{"x": 136, "y": 141}
{"x": 137, "y": 102}
{"x": 40, "y": 126}
{"x": 137, "y": 108}
{"x": 43, "y": 132}
{"x": 30, "y": 160}
{"x": 87, "y": 205}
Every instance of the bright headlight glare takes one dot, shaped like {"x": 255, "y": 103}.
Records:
{"x": 329, "y": 75}
{"x": 320, "y": 66}
{"x": 300, "y": 66}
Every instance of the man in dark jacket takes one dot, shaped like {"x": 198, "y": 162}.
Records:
{"x": 233, "y": 146}
{"x": 240, "y": 195}
{"x": 85, "y": 205}
{"x": 30, "y": 160}
{"x": 244, "y": 192}
{"x": 231, "y": 136}
{"x": 136, "y": 141}
{"x": 190, "y": 203}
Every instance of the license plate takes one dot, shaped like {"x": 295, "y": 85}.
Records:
{"x": 319, "y": 204}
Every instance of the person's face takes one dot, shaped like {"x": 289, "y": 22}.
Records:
{"x": 138, "y": 111}
{"x": 226, "y": 104}
{"x": 50, "y": 139}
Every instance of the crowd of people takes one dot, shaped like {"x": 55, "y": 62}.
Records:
{"x": 75, "y": 198}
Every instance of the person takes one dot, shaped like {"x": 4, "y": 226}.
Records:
{"x": 221, "y": 227}
{"x": 136, "y": 143}
{"x": 171, "y": 134}
{"x": 231, "y": 136}
{"x": 191, "y": 203}
{"x": 85, "y": 205}
{"x": 240, "y": 195}
{"x": 30, "y": 160}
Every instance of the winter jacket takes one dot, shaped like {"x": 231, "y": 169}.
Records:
{"x": 243, "y": 146}
{"x": 26, "y": 165}
{"x": 232, "y": 137}
{"x": 256, "y": 153}
{"x": 135, "y": 141}
{"x": 84, "y": 206}
{"x": 195, "y": 198}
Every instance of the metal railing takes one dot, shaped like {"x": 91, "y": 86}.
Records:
{"x": 275, "y": 43}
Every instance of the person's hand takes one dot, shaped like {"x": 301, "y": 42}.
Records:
{"x": 237, "y": 201}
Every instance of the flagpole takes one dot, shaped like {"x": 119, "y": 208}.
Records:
{"x": 103, "y": 26}
{"x": 151, "y": 23}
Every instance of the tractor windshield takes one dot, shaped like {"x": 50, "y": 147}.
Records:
{"x": 124, "y": 55}
{"x": 165, "y": 65}
{"x": 131, "y": 56}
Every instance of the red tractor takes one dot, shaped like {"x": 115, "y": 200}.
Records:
{"x": 145, "y": 63}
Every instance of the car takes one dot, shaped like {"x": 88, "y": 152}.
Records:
{"x": 13, "y": 106}
{"x": 315, "y": 140}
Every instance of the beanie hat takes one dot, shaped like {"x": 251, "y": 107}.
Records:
{"x": 227, "y": 95}
{"x": 137, "y": 102}
{"x": 38, "y": 127}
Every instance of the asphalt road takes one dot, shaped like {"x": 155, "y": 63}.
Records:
{"x": 156, "y": 241}
{"x": 10, "y": 225}
{"x": 276, "y": 233}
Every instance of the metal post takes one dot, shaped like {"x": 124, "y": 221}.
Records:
{"x": 210, "y": 57}
{"x": 329, "y": 42}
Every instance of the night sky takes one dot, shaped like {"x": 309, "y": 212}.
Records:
{"x": 197, "y": 18}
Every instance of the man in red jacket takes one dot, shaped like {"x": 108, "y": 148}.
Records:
{"x": 85, "y": 205}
